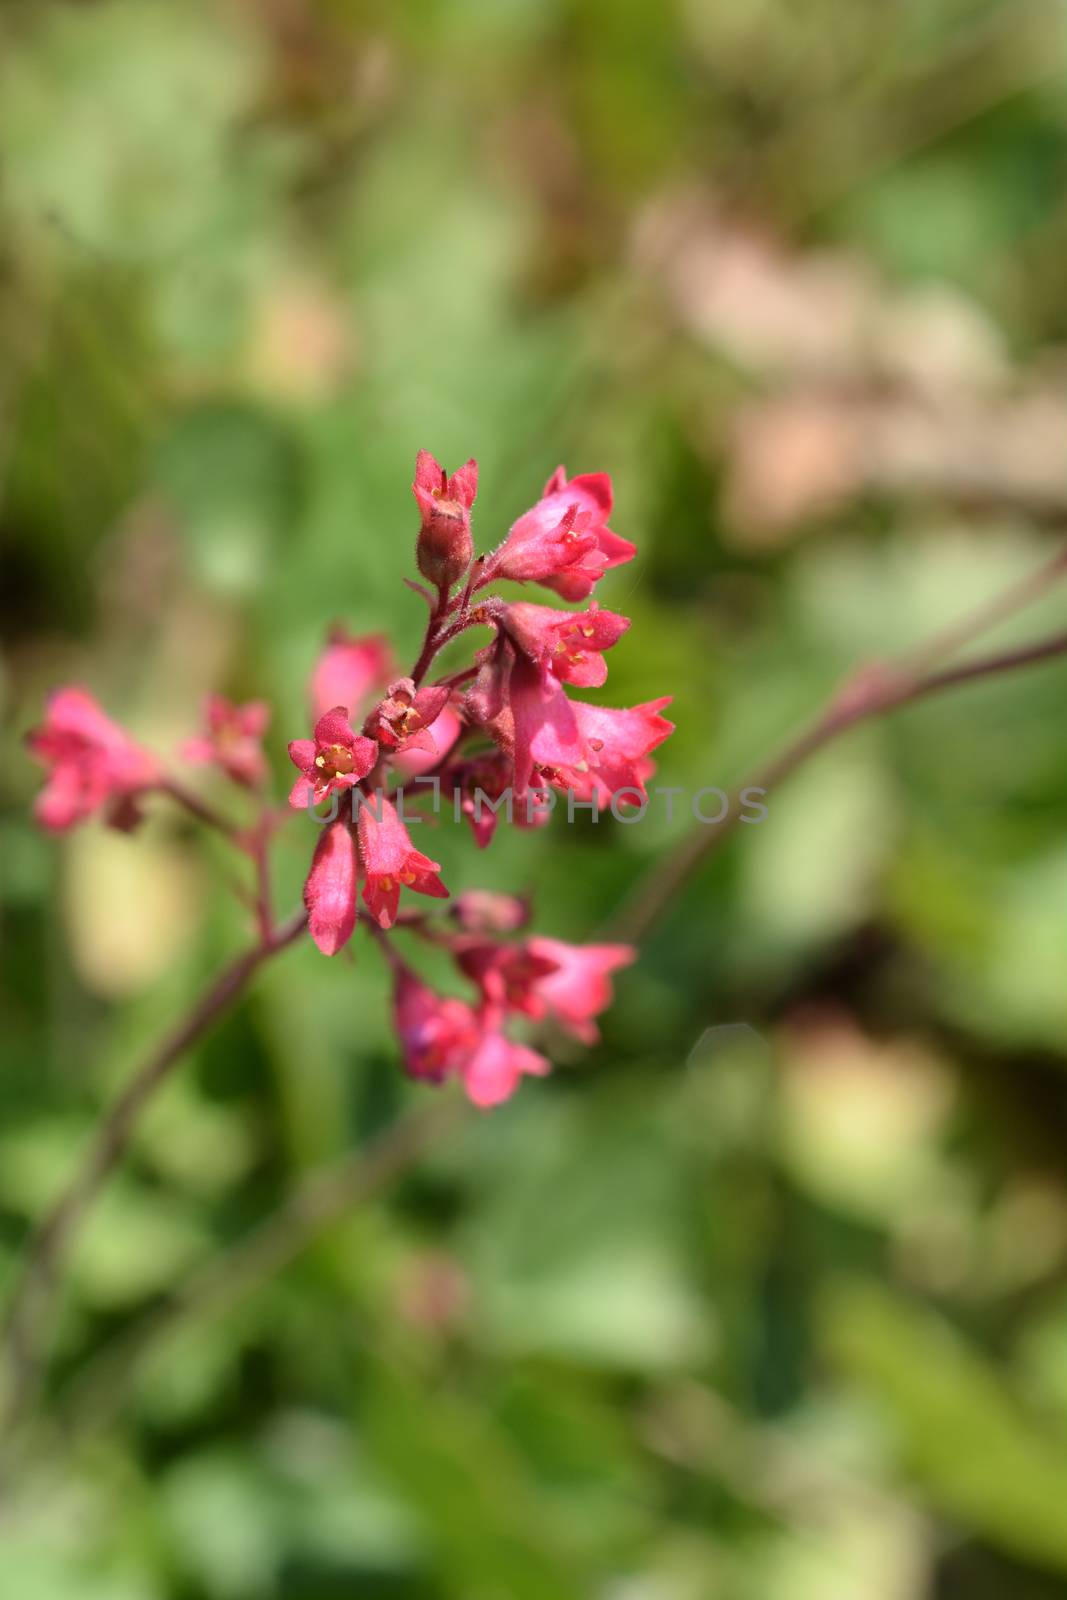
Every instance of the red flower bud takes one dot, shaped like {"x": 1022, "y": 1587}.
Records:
{"x": 445, "y": 549}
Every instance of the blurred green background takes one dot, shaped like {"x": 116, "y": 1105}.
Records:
{"x": 777, "y": 1312}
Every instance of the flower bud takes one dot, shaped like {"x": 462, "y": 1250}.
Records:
{"x": 445, "y": 549}
{"x": 482, "y": 912}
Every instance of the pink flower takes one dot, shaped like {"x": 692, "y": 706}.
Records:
{"x": 232, "y": 739}
{"x": 508, "y": 975}
{"x": 546, "y": 734}
{"x": 441, "y": 1037}
{"x": 579, "y": 988}
{"x": 336, "y": 758}
{"x": 411, "y": 762}
{"x": 617, "y": 744}
{"x": 566, "y": 645}
{"x": 391, "y": 862}
{"x": 494, "y": 1071}
{"x": 348, "y": 669}
{"x": 480, "y": 781}
{"x": 596, "y": 751}
{"x": 444, "y": 548}
{"x": 330, "y": 890}
{"x": 480, "y": 911}
{"x": 437, "y": 1034}
{"x": 486, "y": 701}
{"x": 564, "y": 541}
{"x": 402, "y": 721}
{"x": 91, "y": 760}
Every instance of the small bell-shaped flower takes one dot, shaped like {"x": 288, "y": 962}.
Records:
{"x": 391, "y": 862}
{"x": 336, "y": 758}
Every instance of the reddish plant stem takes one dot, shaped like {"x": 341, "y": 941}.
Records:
{"x": 393, "y": 959}
{"x": 871, "y": 692}
{"x": 431, "y": 642}
{"x": 456, "y": 679}
{"x": 477, "y": 570}
{"x": 22, "y": 1330}
{"x": 1003, "y": 605}
{"x": 439, "y": 631}
{"x": 200, "y": 809}
{"x": 259, "y": 848}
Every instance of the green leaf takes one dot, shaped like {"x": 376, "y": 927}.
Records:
{"x": 966, "y": 1439}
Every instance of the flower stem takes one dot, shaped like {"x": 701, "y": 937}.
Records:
{"x": 873, "y": 691}
{"x": 23, "y": 1330}
{"x": 200, "y": 809}
{"x": 431, "y": 642}
{"x": 1004, "y": 605}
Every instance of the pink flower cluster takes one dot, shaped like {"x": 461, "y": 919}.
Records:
{"x": 505, "y": 721}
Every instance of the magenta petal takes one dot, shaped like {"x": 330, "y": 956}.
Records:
{"x": 333, "y": 728}
{"x": 330, "y": 890}
{"x": 580, "y": 987}
{"x": 382, "y": 904}
{"x": 595, "y": 486}
{"x": 384, "y": 842}
{"x": 546, "y": 732}
{"x": 302, "y": 795}
{"x": 494, "y": 1071}
{"x": 62, "y": 801}
{"x": 463, "y": 483}
{"x": 254, "y": 718}
{"x": 429, "y": 473}
{"x": 302, "y": 755}
{"x": 430, "y": 702}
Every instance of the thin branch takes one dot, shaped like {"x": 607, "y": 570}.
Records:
{"x": 418, "y": 588}
{"x": 431, "y": 642}
{"x": 477, "y": 566}
{"x": 873, "y": 691}
{"x": 22, "y": 1330}
{"x": 455, "y": 680}
{"x": 263, "y": 903}
{"x": 1028, "y": 655}
{"x": 395, "y": 962}
{"x": 982, "y": 621}
{"x": 200, "y": 809}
